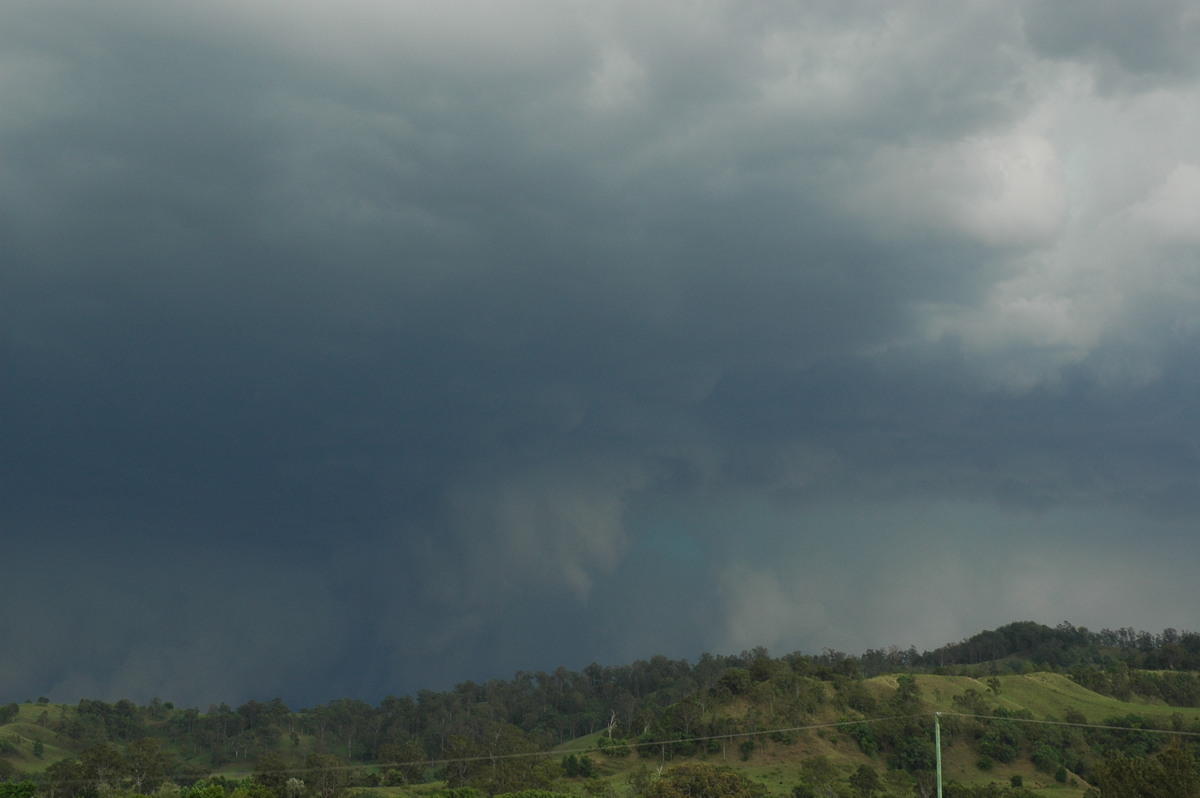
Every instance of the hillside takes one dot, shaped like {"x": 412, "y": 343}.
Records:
{"x": 793, "y": 725}
{"x": 980, "y": 718}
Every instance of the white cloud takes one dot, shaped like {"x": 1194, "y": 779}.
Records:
{"x": 617, "y": 83}
{"x": 1103, "y": 190}
{"x": 1172, "y": 212}
{"x": 1003, "y": 190}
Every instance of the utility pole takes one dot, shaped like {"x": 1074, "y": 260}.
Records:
{"x": 937, "y": 746}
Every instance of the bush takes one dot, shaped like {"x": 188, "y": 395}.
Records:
{"x": 1000, "y": 741}
{"x": 1046, "y": 759}
{"x": 736, "y": 680}
{"x": 864, "y": 735}
{"x": 18, "y": 789}
{"x": 613, "y": 746}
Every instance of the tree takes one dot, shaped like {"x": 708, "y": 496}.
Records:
{"x": 613, "y": 746}
{"x": 462, "y": 757}
{"x": 865, "y": 780}
{"x": 168, "y": 789}
{"x": 102, "y": 765}
{"x": 702, "y": 780}
{"x": 1171, "y": 773}
{"x": 736, "y": 680}
{"x": 147, "y": 764}
{"x": 684, "y": 716}
{"x": 407, "y": 761}
{"x": 1001, "y": 741}
{"x": 252, "y": 789}
{"x": 18, "y": 789}
{"x": 205, "y": 789}
{"x": 581, "y": 766}
{"x": 913, "y": 753}
{"x": 325, "y": 775}
{"x": 504, "y": 760}
{"x": 63, "y": 779}
{"x": 907, "y": 699}
{"x": 271, "y": 771}
{"x": 1045, "y": 758}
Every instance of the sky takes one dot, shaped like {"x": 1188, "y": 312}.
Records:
{"x": 352, "y": 349}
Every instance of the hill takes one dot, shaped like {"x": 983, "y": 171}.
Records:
{"x": 790, "y": 724}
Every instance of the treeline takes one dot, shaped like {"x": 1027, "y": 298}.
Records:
{"x": 1122, "y": 663}
{"x": 1063, "y": 647}
{"x": 561, "y": 705}
{"x": 546, "y": 708}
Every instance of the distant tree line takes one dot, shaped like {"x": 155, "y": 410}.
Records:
{"x": 1066, "y": 646}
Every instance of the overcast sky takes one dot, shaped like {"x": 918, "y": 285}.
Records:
{"x": 356, "y": 348}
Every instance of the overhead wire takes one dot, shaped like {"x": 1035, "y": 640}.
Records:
{"x": 564, "y": 751}
{"x": 1070, "y": 723}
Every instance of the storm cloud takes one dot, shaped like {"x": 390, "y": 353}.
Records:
{"x": 361, "y": 349}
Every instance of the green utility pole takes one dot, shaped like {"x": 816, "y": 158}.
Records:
{"x": 937, "y": 746}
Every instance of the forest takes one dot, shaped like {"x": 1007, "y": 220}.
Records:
{"x": 1024, "y": 709}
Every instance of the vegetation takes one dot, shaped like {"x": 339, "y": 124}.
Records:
{"x": 1025, "y": 710}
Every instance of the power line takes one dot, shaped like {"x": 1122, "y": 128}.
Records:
{"x": 1068, "y": 723}
{"x": 624, "y": 744}
{"x": 758, "y": 733}
{"x": 632, "y": 745}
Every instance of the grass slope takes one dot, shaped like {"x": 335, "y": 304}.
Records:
{"x": 1047, "y": 696}
{"x": 21, "y": 735}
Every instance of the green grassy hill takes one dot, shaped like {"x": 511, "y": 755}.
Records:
{"x": 777, "y": 728}
{"x": 780, "y": 754}
{"x": 19, "y": 740}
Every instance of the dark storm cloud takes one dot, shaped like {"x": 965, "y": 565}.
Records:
{"x": 1156, "y": 38}
{"x": 357, "y": 352}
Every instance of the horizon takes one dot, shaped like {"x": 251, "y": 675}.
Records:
{"x": 825, "y": 654}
